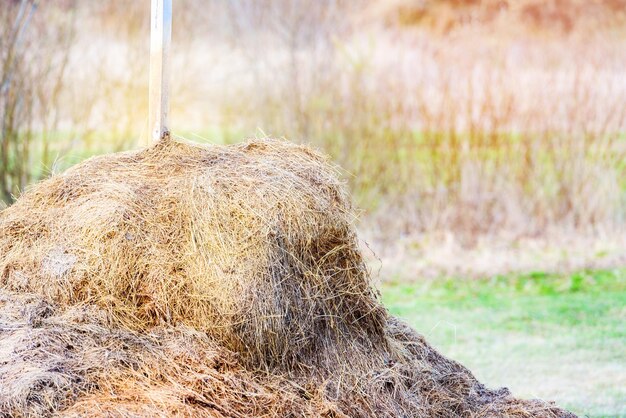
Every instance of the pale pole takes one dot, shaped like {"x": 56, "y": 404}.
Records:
{"x": 160, "y": 39}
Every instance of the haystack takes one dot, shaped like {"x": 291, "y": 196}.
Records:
{"x": 209, "y": 281}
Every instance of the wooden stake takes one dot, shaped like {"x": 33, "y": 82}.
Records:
{"x": 160, "y": 39}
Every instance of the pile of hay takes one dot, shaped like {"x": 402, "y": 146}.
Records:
{"x": 209, "y": 281}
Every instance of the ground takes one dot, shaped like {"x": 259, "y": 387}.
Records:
{"x": 556, "y": 337}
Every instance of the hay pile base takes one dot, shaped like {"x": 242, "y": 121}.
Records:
{"x": 209, "y": 281}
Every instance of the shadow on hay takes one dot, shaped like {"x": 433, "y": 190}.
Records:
{"x": 215, "y": 281}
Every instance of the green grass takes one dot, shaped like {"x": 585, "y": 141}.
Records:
{"x": 561, "y": 338}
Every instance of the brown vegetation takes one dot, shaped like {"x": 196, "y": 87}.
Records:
{"x": 210, "y": 281}
{"x": 560, "y": 16}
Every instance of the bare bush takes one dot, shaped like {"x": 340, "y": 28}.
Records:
{"x": 34, "y": 51}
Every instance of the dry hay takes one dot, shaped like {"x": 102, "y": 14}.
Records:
{"x": 209, "y": 281}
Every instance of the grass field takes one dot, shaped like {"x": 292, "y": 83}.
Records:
{"x": 561, "y": 338}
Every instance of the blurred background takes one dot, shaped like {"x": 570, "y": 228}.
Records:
{"x": 484, "y": 142}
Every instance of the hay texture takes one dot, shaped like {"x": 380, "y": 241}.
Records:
{"x": 209, "y": 281}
